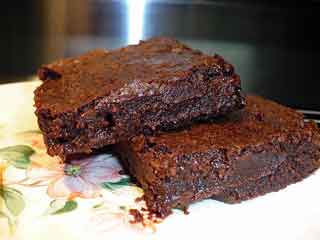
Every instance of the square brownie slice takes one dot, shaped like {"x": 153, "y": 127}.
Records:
{"x": 259, "y": 149}
{"x": 103, "y": 97}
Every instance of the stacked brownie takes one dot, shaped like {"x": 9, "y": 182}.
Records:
{"x": 178, "y": 121}
{"x": 104, "y": 97}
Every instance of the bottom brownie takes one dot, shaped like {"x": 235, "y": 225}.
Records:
{"x": 288, "y": 172}
{"x": 260, "y": 149}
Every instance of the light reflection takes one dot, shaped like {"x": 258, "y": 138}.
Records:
{"x": 135, "y": 20}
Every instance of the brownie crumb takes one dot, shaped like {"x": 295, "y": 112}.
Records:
{"x": 185, "y": 210}
{"x": 137, "y": 216}
{"x": 144, "y": 218}
{"x": 139, "y": 199}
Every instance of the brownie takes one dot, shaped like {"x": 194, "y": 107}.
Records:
{"x": 103, "y": 97}
{"x": 257, "y": 150}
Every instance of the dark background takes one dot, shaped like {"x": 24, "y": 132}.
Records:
{"x": 273, "y": 44}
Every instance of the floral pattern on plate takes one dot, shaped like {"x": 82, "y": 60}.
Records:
{"x": 95, "y": 183}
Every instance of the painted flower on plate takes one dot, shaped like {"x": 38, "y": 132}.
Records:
{"x": 79, "y": 178}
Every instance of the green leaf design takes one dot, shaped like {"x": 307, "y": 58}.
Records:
{"x": 13, "y": 200}
{"x": 58, "y": 206}
{"x": 18, "y": 156}
{"x": 97, "y": 205}
{"x": 18, "y": 148}
{"x": 123, "y": 208}
{"x": 115, "y": 185}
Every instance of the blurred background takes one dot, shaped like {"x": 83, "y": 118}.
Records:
{"x": 274, "y": 45}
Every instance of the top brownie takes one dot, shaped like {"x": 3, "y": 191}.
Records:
{"x": 104, "y": 97}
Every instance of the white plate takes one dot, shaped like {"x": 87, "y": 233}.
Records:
{"x": 292, "y": 213}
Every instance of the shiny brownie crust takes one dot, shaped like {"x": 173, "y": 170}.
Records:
{"x": 260, "y": 149}
{"x": 103, "y": 97}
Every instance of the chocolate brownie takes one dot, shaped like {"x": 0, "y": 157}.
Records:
{"x": 103, "y": 97}
{"x": 259, "y": 149}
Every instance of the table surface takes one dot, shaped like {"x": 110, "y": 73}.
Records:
{"x": 38, "y": 195}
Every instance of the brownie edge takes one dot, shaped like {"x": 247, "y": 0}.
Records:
{"x": 103, "y": 97}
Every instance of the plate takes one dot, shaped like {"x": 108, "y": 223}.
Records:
{"x": 42, "y": 198}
